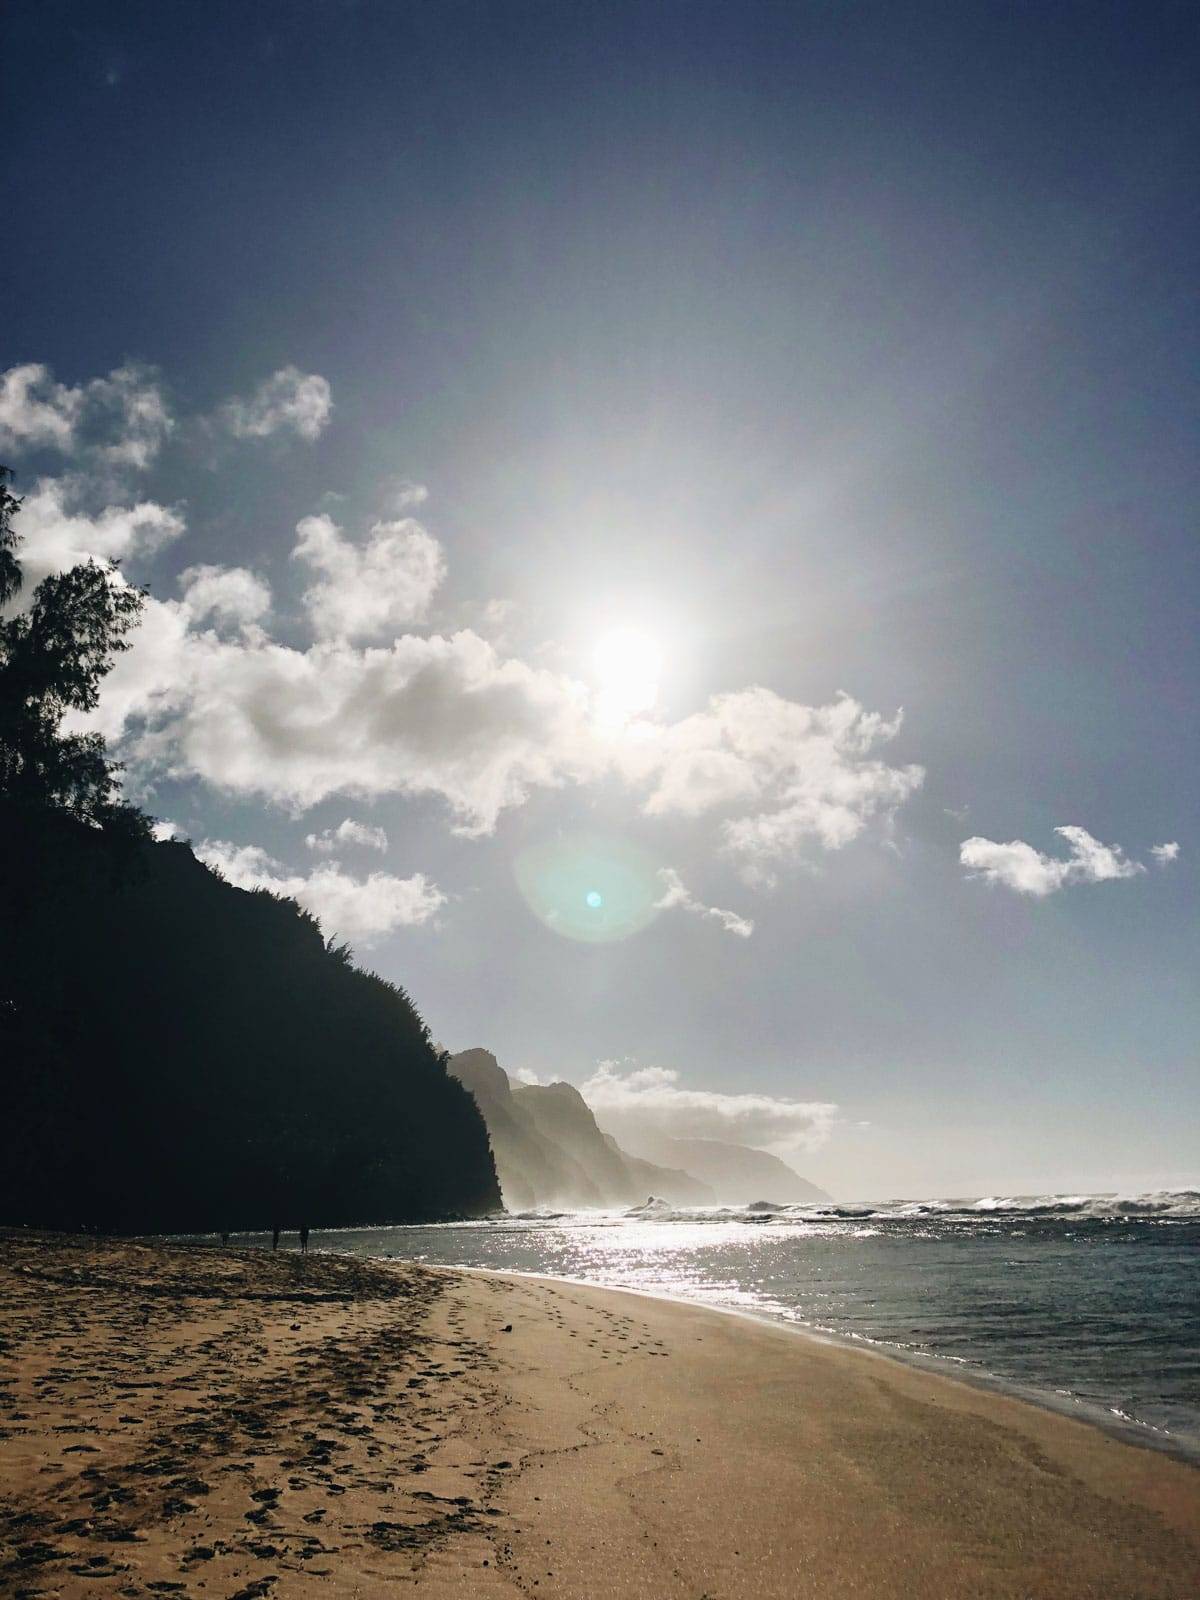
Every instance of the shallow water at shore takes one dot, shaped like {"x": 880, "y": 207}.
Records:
{"x": 1090, "y": 1302}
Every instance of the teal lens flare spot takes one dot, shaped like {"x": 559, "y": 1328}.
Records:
{"x": 590, "y": 887}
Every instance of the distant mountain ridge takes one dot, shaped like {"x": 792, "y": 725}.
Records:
{"x": 550, "y": 1151}
{"x": 738, "y": 1173}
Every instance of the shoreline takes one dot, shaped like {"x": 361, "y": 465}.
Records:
{"x": 246, "y": 1425}
{"x": 1126, "y": 1430}
{"x": 1117, "y": 1398}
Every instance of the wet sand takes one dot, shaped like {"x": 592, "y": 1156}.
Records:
{"x": 233, "y": 1424}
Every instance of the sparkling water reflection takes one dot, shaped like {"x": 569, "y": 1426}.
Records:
{"x": 1085, "y": 1300}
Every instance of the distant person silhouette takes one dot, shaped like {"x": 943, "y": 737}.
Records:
{"x": 225, "y": 1238}
{"x": 304, "y": 1241}
{"x": 275, "y": 1237}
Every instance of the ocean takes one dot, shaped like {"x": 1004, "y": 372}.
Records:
{"x": 1088, "y": 1303}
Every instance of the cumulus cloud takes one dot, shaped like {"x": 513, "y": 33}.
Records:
{"x": 437, "y": 716}
{"x": 224, "y": 594}
{"x": 370, "y": 589}
{"x": 1164, "y": 854}
{"x": 677, "y": 895}
{"x": 57, "y": 534}
{"x": 800, "y": 775}
{"x": 362, "y": 909}
{"x": 164, "y": 828}
{"x": 449, "y": 716}
{"x": 36, "y": 411}
{"x": 1018, "y": 866}
{"x": 651, "y": 1099}
{"x": 205, "y": 692}
{"x": 367, "y": 709}
{"x": 347, "y": 832}
{"x": 120, "y": 421}
{"x": 288, "y": 401}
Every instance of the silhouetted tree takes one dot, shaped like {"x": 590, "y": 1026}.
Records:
{"x": 53, "y": 656}
{"x": 10, "y": 567}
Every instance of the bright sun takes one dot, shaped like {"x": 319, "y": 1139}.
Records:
{"x": 627, "y": 665}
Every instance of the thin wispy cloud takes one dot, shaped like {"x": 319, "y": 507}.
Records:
{"x": 1018, "y": 866}
{"x": 677, "y": 896}
{"x": 653, "y": 1099}
{"x": 1164, "y": 854}
{"x": 348, "y": 832}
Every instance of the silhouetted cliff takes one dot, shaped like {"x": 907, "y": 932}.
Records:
{"x": 183, "y": 1055}
{"x": 532, "y": 1169}
{"x": 549, "y": 1151}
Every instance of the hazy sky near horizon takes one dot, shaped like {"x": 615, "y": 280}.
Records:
{"x": 719, "y": 477}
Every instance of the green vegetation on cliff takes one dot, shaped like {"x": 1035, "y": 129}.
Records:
{"x": 178, "y": 1054}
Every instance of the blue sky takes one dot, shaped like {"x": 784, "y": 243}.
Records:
{"x": 794, "y": 351}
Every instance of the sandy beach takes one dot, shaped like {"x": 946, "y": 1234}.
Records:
{"x": 237, "y": 1424}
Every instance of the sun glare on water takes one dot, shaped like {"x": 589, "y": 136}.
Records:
{"x": 627, "y": 665}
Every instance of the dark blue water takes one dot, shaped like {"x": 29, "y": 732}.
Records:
{"x": 1089, "y": 1303}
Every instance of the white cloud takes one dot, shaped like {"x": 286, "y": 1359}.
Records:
{"x": 289, "y": 399}
{"x": 800, "y": 775}
{"x": 651, "y": 1098}
{"x": 371, "y": 589}
{"x": 226, "y": 594}
{"x": 363, "y": 909}
{"x": 36, "y": 411}
{"x": 439, "y": 716}
{"x": 163, "y": 671}
{"x": 401, "y": 494}
{"x": 164, "y": 828}
{"x": 137, "y": 417}
{"x": 57, "y": 535}
{"x": 1164, "y": 854}
{"x": 149, "y": 680}
{"x": 678, "y": 895}
{"x": 347, "y": 832}
{"x": 205, "y": 692}
{"x": 119, "y": 421}
{"x": 1018, "y": 866}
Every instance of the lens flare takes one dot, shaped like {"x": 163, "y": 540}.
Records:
{"x": 590, "y": 887}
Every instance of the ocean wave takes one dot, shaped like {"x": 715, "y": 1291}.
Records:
{"x": 998, "y": 1210}
{"x": 1150, "y": 1205}
{"x": 1171, "y": 1204}
{"x": 1153, "y": 1203}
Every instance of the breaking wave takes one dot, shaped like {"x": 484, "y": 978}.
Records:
{"x": 1154, "y": 1205}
